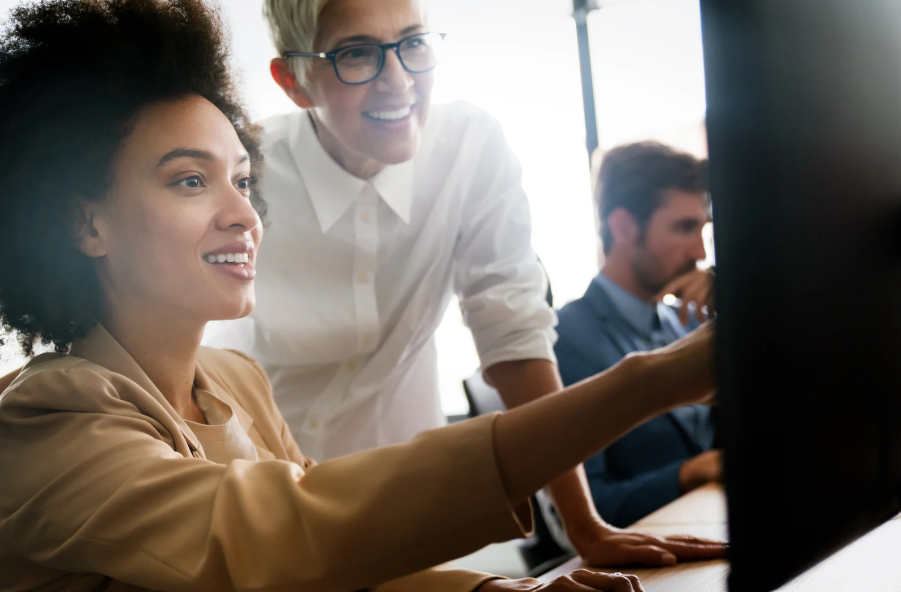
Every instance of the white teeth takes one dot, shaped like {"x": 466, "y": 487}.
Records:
{"x": 389, "y": 115}
{"x": 228, "y": 258}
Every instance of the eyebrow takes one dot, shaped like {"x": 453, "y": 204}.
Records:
{"x": 370, "y": 39}
{"x": 193, "y": 153}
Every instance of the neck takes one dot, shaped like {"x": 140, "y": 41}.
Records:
{"x": 619, "y": 270}
{"x": 165, "y": 349}
{"x": 356, "y": 164}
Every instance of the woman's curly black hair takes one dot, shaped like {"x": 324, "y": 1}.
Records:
{"x": 73, "y": 76}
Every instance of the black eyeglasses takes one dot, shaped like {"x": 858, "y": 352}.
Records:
{"x": 362, "y": 63}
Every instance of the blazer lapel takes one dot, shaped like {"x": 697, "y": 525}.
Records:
{"x": 612, "y": 324}
{"x": 624, "y": 338}
{"x": 100, "y": 347}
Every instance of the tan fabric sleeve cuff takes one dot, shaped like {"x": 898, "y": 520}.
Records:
{"x": 522, "y": 513}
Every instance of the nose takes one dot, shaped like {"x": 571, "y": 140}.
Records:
{"x": 236, "y": 212}
{"x": 698, "y": 250}
{"x": 393, "y": 78}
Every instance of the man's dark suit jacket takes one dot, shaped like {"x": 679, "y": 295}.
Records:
{"x": 640, "y": 472}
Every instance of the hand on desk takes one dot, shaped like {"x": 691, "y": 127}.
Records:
{"x": 614, "y": 546}
{"x": 580, "y": 580}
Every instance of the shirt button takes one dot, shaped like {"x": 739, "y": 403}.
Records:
{"x": 313, "y": 423}
{"x": 363, "y": 277}
{"x": 368, "y": 340}
{"x": 366, "y": 216}
{"x": 351, "y": 366}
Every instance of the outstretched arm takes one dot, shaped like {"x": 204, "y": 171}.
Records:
{"x": 625, "y": 398}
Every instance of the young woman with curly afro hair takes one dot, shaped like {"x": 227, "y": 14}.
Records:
{"x": 132, "y": 458}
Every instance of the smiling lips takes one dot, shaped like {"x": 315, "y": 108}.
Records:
{"x": 390, "y": 115}
{"x": 233, "y": 259}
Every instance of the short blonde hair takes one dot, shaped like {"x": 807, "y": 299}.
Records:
{"x": 292, "y": 24}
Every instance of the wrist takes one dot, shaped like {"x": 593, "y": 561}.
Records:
{"x": 647, "y": 374}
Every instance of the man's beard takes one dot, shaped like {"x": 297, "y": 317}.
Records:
{"x": 651, "y": 282}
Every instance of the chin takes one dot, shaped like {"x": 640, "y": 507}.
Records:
{"x": 396, "y": 154}
{"x": 234, "y": 310}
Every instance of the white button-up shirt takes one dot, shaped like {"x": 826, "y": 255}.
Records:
{"x": 354, "y": 277}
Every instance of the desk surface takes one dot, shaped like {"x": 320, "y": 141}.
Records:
{"x": 872, "y": 563}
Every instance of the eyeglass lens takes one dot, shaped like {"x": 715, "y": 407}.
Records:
{"x": 362, "y": 63}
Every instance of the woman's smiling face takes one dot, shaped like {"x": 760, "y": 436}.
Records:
{"x": 380, "y": 120}
{"x": 177, "y": 233}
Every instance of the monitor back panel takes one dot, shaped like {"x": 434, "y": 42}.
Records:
{"x": 804, "y": 123}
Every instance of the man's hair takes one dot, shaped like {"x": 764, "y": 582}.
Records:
{"x": 635, "y": 177}
{"x": 74, "y": 74}
{"x": 292, "y": 24}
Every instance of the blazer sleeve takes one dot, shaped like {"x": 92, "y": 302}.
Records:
{"x": 443, "y": 578}
{"x": 98, "y": 488}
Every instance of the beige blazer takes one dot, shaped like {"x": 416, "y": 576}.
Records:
{"x": 104, "y": 487}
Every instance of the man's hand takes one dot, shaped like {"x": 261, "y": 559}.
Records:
{"x": 609, "y": 546}
{"x": 706, "y": 467}
{"x": 580, "y": 580}
{"x": 695, "y": 286}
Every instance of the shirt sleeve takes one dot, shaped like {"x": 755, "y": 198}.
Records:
{"x": 498, "y": 278}
{"x": 626, "y": 501}
{"x": 96, "y": 487}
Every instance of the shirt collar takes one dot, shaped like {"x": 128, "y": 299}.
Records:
{"x": 332, "y": 189}
{"x": 638, "y": 313}
{"x": 101, "y": 348}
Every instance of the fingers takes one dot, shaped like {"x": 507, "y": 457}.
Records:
{"x": 616, "y": 582}
{"x": 648, "y": 554}
{"x": 691, "y": 551}
{"x": 695, "y": 286}
{"x": 687, "y": 538}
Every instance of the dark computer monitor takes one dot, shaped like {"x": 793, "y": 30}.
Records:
{"x": 804, "y": 123}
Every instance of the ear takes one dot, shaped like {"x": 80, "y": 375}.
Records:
{"x": 623, "y": 227}
{"x": 90, "y": 229}
{"x": 283, "y": 77}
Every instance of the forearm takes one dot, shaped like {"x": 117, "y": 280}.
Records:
{"x": 539, "y": 441}
{"x": 522, "y": 382}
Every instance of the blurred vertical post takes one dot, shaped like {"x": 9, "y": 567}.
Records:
{"x": 581, "y": 8}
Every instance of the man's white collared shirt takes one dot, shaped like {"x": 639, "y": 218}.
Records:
{"x": 354, "y": 277}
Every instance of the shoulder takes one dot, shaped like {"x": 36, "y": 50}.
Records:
{"x": 276, "y": 134}
{"x": 59, "y": 381}
{"x": 574, "y": 314}
{"x": 275, "y": 128}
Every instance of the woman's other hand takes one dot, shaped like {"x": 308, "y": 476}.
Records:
{"x": 580, "y": 580}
